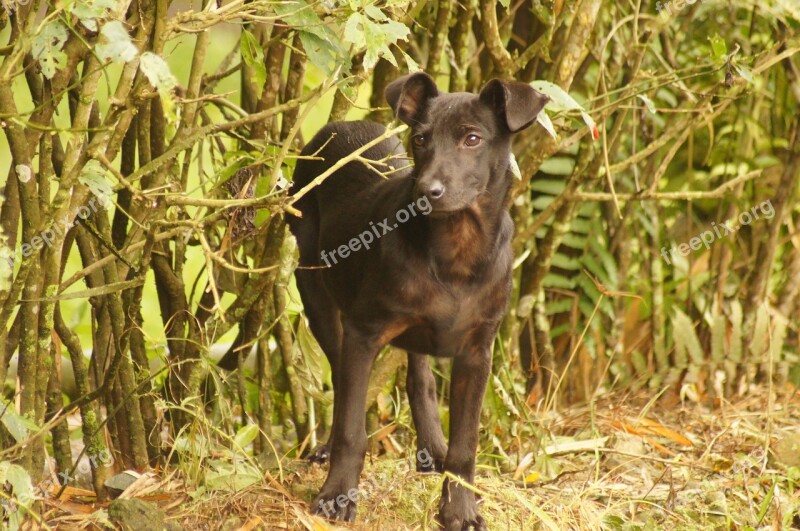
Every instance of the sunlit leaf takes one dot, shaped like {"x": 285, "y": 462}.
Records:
{"x": 514, "y": 167}
{"x": 246, "y": 435}
{"x": 363, "y": 32}
{"x": 320, "y": 42}
{"x": 319, "y": 51}
{"x": 157, "y": 71}
{"x": 719, "y": 50}
{"x": 115, "y": 44}
{"x": 227, "y": 476}
{"x": 648, "y": 103}
{"x": 544, "y": 120}
{"x": 253, "y": 56}
{"x": 21, "y": 488}
{"x": 745, "y": 73}
{"x": 560, "y": 100}
{"x": 19, "y": 427}
{"x": 47, "y": 48}
{"x": 89, "y": 11}
{"x": 95, "y": 176}
{"x": 686, "y": 340}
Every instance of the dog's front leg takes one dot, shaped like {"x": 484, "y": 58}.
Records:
{"x": 338, "y": 496}
{"x": 458, "y": 508}
{"x": 421, "y": 389}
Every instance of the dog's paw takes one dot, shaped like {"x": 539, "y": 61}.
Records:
{"x": 319, "y": 455}
{"x": 335, "y": 507}
{"x": 459, "y": 510}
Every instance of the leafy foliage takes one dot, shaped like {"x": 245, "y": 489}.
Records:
{"x": 174, "y": 303}
{"x": 47, "y": 48}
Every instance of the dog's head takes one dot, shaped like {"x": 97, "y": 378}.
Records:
{"x": 461, "y": 142}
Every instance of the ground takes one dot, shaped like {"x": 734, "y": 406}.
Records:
{"x": 629, "y": 462}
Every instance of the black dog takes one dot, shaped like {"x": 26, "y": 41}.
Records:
{"x": 421, "y": 260}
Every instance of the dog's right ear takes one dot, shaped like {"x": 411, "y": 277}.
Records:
{"x": 408, "y": 96}
{"x": 517, "y": 104}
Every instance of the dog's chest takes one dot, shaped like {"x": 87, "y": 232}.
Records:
{"x": 449, "y": 319}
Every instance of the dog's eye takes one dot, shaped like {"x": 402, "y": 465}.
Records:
{"x": 418, "y": 140}
{"x": 472, "y": 140}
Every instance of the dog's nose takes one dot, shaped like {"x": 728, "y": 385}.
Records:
{"x": 434, "y": 190}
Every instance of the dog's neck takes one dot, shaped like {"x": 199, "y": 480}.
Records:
{"x": 464, "y": 243}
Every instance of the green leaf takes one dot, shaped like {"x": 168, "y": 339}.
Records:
{"x": 157, "y": 71}
{"x": 648, "y": 103}
{"x": 553, "y": 280}
{"x": 411, "y": 64}
{"x": 686, "y": 340}
{"x": 301, "y": 16}
{"x": 47, "y": 45}
{"x": 245, "y": 436}
{"x": 718, "y": 329}
{"x": 745, "y": 73}
{"x": 253, "y": 56}
{"x": 310, "y": 361}
{"x": 719, "y": 50}
{"x": 321, "y": 44}
{"x": 354, "y": 32}
{"x": 115, "y": 44}
{"x": 759, "y": 344}
{"x": 375, "y": 13}
{"x": 20, "y": 483}
{"x": 23, "y": 494}
{"x": 94, "y": 175}
{"x": 558, "y": 166}
{"x": 544, "y": 121}
{"x": 17, "y": 426}
{"x": 376, "y": 37}
{"x": 231, "y": 477}
{"x": 560, "y": 100}
{"x": 88, "y": 12}
{"x": 569, "y": 263}
{"x": 319, "y": 51}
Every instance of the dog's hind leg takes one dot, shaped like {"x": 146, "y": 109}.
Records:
{"x": 421, "y": 388}
{"x": 324, "y": 321}
{"x": 349, "y": 439}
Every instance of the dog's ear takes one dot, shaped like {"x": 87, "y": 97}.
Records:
{"x": 516, "y": 103}
{"x": 409, "y": 95}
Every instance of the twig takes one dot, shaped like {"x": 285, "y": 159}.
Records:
{"x": 647, "y": 195}
{"x": 354, "y": 155}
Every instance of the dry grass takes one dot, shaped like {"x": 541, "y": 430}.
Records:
{"x": 627, "y": 463}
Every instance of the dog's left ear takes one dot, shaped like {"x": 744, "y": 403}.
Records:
{"x": 516, "y": 103}
{"x": 408, "y": 96}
